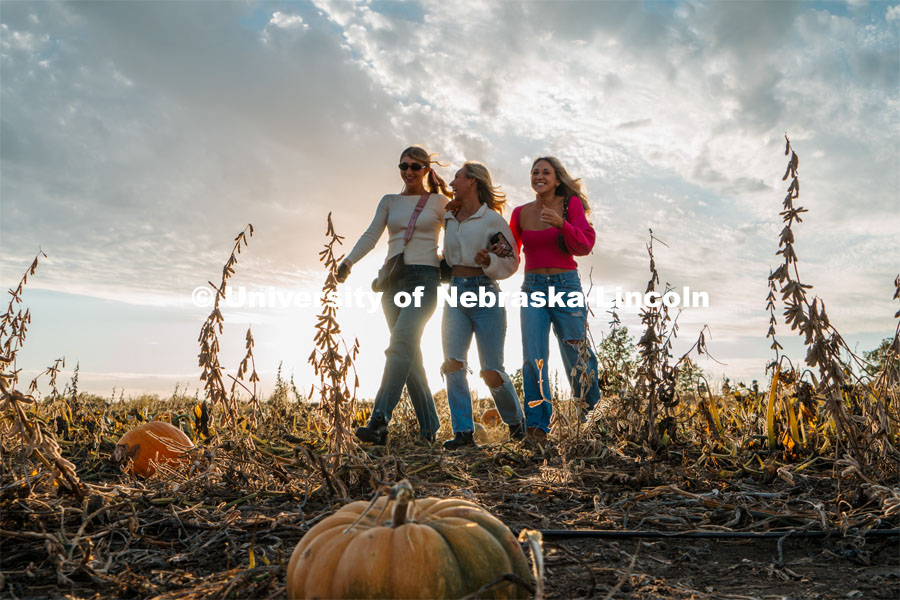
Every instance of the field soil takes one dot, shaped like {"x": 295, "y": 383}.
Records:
{"x": 226, "y": 528}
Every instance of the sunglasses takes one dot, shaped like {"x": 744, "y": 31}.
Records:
{"x": 416, "y": 167}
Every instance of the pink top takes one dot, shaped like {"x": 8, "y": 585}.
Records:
{"x": 542, "y": 251}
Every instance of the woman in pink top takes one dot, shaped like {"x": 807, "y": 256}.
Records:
{"x": 552, "y": 230}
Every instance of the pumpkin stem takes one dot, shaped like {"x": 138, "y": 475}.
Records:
{"x": 535, "y": 542}
{"x": 403, "y": 494}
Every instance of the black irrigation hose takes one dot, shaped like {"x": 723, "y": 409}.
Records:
{"x": 562, "y": 534}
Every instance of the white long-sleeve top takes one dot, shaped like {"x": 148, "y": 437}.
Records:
{"x": 394, "y": 212}
{"x": 462, "y": 241}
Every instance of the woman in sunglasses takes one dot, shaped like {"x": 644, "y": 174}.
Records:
{"x": 477, "y": 246}
{"x": 553, "y": 230}
{"x": 413, "y": 219}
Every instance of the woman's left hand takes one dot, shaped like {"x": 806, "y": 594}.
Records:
{"x": 482, "y": 258}
{"x": 551, "y": 217}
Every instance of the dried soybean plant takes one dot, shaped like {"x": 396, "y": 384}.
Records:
{"x": 886, "y": 387}
{"x": 615, "y": 357}
{"x": 889, "y": 376}
{"x": 13, "y": 327}
{"x": 211, "y": 375}
{"x": 654, "y": 393}
{"x": 56, "y": 403}
{"x": 19, "y": 421}
{"x": 655, "y": 382}
{"x": 331, "y": 365}
{"x": 248, "y": 362}
{"x": 862, "y": 426}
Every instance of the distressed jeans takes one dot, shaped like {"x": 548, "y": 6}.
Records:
{"x": 488, "y": 325}
{"x": 569, "y": 327}
{"x": 403, "y": 365}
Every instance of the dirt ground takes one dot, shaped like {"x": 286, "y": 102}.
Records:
{"x": 171, "y": 538}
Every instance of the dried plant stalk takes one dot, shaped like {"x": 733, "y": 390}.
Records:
{"x": 211, "y": 375}
{"x": 860, "y": 428}
{"x": 333, "y": 366}
{"x": 248, "y": 362}
{"x": 15, "y": 419}
{"x": 13, "y": 327}
{"x": 655, "y": 383}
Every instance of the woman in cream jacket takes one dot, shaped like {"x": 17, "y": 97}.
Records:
{"x": 478, "y": 247}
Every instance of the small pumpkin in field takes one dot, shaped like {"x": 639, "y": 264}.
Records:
{"x": 157, "y": 441}
{"x": 490, "y": 417}
{"x": 400, "y": 548}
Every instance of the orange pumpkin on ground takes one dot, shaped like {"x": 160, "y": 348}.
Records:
{"x": 429, "y": 548}
{"x": 157, "y": 441}
{"x": 490, "y": 417}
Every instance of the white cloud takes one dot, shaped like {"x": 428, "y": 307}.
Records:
{"x": 280, "y": 19}
{"x": 286, "y": 21}
{"x": 139, "y": 138}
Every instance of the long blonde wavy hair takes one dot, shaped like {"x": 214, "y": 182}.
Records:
{"x": 488, "y": 193}
{"x": 433, "y": 183}
{"x": 568, "y": 185}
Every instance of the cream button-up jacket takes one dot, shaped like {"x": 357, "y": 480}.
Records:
{"x": 462, "y": 241}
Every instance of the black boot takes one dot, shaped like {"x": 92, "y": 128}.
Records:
{"x": 374, "y": 432}
{"x": 517, "y": 431}
{"x": 461, "y": 440}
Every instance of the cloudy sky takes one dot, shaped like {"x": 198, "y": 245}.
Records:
{"x": 138, "y": 139}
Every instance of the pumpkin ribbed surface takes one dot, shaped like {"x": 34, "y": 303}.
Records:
{"x": 157, "y": 441}
{"x": 447, "y": 548}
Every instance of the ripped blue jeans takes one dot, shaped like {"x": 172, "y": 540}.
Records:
{"x": 488, "y": 325}
{"x": 569, "y": 327}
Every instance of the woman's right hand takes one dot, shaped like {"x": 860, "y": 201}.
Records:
{"x": 482, "y": 258}
{"x": 343, "y": 270}
{"x": 551, "y": 217}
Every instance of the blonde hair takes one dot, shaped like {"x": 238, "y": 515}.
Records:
{"x": 433, "y": 183}
{"x": 568, "y": 185}
{"x": 488, "y": 193}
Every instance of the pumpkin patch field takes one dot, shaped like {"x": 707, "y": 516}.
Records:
{"x": 226, "y": 521}
{"x": 670, "y": 487}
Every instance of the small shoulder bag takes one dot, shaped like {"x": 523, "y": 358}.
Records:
{"x": 394, "y": 268}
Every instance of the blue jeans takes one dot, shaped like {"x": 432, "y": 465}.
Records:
{"x": 569, "y": 327}
{"x": 404, "y": 357}
{"x": 488, "y": 324}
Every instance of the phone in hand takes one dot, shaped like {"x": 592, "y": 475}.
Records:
{"x": 499, "y": 245}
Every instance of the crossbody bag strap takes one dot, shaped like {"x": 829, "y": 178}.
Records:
{"x": 560, "y": 239}
{"x": 415, "y": 216}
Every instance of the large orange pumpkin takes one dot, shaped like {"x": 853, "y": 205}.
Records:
{"x": 429, "y": 548}
{"x": 157, "y": 441}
